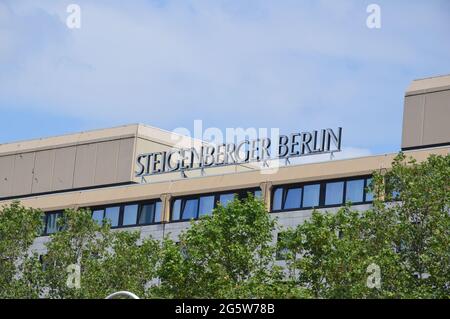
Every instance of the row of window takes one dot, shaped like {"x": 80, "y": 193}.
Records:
{"x": 284, "y": 198}
{"x": 121, "y": 215}
{"x": 194, "y": 207}
{"x": 321, "y": 194}
{"x": 129, "y": 214}
{"x": 147, "y": 213}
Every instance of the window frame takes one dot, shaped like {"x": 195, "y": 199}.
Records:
{"x": 322, "y": 191}
{"x": 363, "y": 190}
{"x": 59, "y": 213}
{"x": 140, "y": 204}
{"x": 241, "y": 193}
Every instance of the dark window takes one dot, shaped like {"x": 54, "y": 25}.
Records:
{"x": 194, "y": 207}
{"x": 51, "y": 225}
{"x": 369, "y": 194}
{"x": 97, "y": 215}
{"x": 44, "y": 224}
{"x": 277, "y": 198}
{"x": 206, "y": 205}
{"x": 334, "y": 193}
{"x": 112, "y": 215}
{"x": 190, "y": 209}
{"x": 146, "y": 214}
{"x": 176, "y": 210}
{"x": 311, "y": 195}
{"x": 130, "y": 213}
{"x": 257, "y": 194}
{"x": 226, "y": 198}
{"x": 320, "y": 194}
{"x": 293, "y": 198}
{"x": 354, "y": 191}
{"x": 158, "y": 212}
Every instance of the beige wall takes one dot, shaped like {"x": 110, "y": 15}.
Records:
{"x": 80, "y": 160}
{"x": 230, "y": 181}
{"x": 426, "y": 113}
{"x": 87, "y": 159}
{"x": 64, "y": 168}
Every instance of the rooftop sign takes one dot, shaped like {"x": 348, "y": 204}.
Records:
{"x": 257, "y": 150}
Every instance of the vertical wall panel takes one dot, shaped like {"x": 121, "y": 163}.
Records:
{"x": 43, "y": 171}
{"x": 106, "y": 162}
{"x": 413, "y": 121}
{"x": 437, "y": 118}
{"x": 125, "y": 160}
{"x": 85, "y": 165}
{"x": 6, "y": 175}
{"x": 23, "y": 173}
{"x": 64, "y": 168}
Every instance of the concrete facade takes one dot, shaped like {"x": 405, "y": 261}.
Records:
{"x": 426, "y": 113}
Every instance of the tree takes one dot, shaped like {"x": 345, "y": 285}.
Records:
{"x": 108, "y": 260}
{"x": 405, "y": 235}
{"x": 130, "y": 264}
{"x": 19, "y": 226}
{"x": 228, "y": 254}
{"x": 421, "y": 232}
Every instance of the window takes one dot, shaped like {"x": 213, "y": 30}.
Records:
{"x": 334, "y": 193}
{"x": 287, "y": 198}
{"x": 257, "y": 194}
{"x": 206, "y": 205}
{"x": 97, "y": 215}
{"x": 277, "y": 198}
{"x": 369, "y": 194}
{"x": 51, "y": 224}
{"x": 176, "y": 210}
{"x": 147, "y": 213}
{"x": 355, "y": 191}
{"x": 158, "y": 212}
{"x": 190, "y": 209}
{"x": 321, "y": 194}
{"x": 121, "y": 215}
{"x": 194, "y": 207}
{"x": 311, "y": 195}
{"x": 112, "y": 215}
{"x": 130, "y": 213}
{"x": 150, "y": 213}
{"x": 226, "y": 198}
{"x": 293, "y": 198}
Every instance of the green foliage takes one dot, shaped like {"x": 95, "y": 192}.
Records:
{"x": 421, "y": 224}
{"x": 226, "y": 255}
{"x": 19, "y": 226}
{"x": 406, "y": 234}
{"x": 109, "y": 260}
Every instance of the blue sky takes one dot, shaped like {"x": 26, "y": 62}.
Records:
{"x": 293, "y": 65}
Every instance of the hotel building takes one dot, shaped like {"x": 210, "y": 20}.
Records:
{"x": 101, "y": 169}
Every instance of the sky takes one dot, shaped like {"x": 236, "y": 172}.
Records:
{"x": 293, "y": 65}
